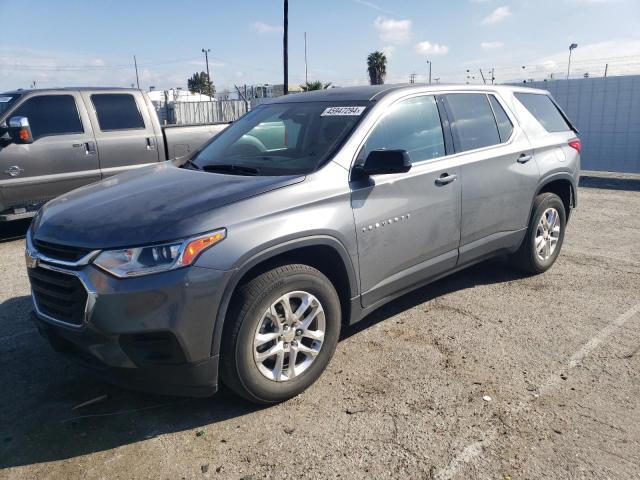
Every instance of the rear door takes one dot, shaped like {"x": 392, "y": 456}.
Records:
{"x": 499, "y": 174}
{"x": 408, "y": 224}
{"x": 62, "y": 157}
{"x": 124, "y": 130}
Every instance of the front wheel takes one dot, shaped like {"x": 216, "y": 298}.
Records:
{"x": 284, "y": 327}
{"x": 545, "y": 234}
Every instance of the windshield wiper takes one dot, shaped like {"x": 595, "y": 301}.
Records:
{"x": 230, "y": 168}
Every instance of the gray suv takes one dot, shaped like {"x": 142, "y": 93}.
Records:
{"x": 244, "y": 261}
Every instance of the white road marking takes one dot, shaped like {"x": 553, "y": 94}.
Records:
{"x": 474, "y": 450}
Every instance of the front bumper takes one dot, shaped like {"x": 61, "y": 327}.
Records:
{"x": 151, "y": 333}
{"x": 197, "y": 379}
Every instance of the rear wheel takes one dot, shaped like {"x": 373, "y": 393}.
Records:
{"x": 545, "y": 235}
{"x": 283, "y": 330}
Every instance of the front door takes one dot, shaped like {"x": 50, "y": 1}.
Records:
{"x": 62, "y": 157}
{"x": 408, "y": 224}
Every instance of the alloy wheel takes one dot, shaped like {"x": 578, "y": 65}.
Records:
{"x": 289, "y": 336}
{"x": 547, "y": 234}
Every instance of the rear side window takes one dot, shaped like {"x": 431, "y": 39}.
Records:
{"x": 51, "y": 115}
{"x": 117, "y": 111}
{"x": 545, "y": 111}
{"x": 412, "y": 125}
{"x": 505, "y": 127}
{"x": 472, "y": 123}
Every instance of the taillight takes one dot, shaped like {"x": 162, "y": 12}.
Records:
{"x": 576, "y": 143}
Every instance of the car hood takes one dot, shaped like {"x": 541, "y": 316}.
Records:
{"x": 146, "y": 205}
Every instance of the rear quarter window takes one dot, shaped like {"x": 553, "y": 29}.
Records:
{"x": 545, "y": 111}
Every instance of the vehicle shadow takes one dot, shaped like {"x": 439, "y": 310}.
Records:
{"x": 39, "y": 388}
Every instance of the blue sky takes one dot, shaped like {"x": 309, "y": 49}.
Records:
{"x": 67, "y": 42}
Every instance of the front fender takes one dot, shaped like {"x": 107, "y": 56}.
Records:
{"x": 246, "y": 263}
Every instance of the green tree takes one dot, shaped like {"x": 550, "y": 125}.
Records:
{"x": 377, "y": 67}
{"x": 199, "y": 83}
{"x": 315, "y": 85}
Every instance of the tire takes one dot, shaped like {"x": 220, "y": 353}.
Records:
{"x": 527, "y": 257}
{"x": 259, "y": 308}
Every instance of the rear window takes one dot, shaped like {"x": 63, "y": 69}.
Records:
{"x": 117, "y": 111}
{"x": 545, "y": 111}
{"x": 472, "y": 124}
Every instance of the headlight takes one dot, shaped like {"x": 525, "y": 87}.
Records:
{"x": 132, "y": 262}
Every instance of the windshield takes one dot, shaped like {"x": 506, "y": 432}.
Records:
{"x": 280, "y": 139}
{"x": 6, "y": 100}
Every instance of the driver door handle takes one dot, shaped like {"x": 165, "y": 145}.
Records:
{"x": 445, "y": 178}
{"x": 524, "y": 158}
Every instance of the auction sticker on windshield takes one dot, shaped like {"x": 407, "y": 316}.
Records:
{"x": 342, "y": 111}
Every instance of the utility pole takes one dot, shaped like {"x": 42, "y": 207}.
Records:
{"x": 285, "y": 47}
{"x": 306, "y": 71}
{"x": 429, "y": 62}
{"x": 483, "y": 79}
{"x": 135, "y": 63}
{"x": 493, "y": 76}
{"x": 606, "y": 68}
{"x": 412, "y": 78}
{"x": 572, "y": 47}
{"x": 206, "y": 59}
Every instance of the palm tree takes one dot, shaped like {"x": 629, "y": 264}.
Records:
{"x": 377, "y": 67}
{"x": 315, "y": 85}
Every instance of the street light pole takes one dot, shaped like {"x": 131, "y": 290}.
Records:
{"x": 206, "y": 59}
{"x": 306, "y": 70}
{"x": 572, "y": 47}
{"x": 285, "y": 47}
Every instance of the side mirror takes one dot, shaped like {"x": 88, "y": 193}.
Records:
{"x": 19, "y": 130}
{"x": 381, "y": 162}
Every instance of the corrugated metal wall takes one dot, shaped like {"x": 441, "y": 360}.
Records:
{"x": 220, "y": 111}
{"x": 606, "y": 110}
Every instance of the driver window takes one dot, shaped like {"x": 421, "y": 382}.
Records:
{"x": 412, "y": 125}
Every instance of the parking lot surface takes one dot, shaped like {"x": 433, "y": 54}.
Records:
{"x": 484, "y": 374}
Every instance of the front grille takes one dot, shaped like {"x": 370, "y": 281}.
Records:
{"x": 59, "y": 295}
{"x": 60, "y": 252}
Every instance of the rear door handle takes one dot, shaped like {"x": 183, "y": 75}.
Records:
{"x": 90, "y": 148}
{"x": 524, "y": 158}
{"x": 151, "y": 143}
{"x": 445, "y": 178}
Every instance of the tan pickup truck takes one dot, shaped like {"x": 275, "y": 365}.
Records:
{"x": 53, "y": 141}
